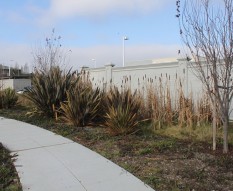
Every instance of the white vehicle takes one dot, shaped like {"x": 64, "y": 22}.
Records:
{"x": 22, "y": 91}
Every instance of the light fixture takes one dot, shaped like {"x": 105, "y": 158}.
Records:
{"x": 124, "y": 38}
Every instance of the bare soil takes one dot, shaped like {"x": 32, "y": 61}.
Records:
{"x": 164, "y": 163}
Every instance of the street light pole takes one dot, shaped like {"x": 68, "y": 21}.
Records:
{"x": 10, "y": 67}
{"x": 124, "y": 38}
{"x": 94, "y": 60}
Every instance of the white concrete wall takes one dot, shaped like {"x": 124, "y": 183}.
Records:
{"x": 97, "y": 76}
{"x": 21, "y": 83}
{"x": 140, "y": 77}
{"x": 16, "y": 84}
{"x": 6, "y": 83}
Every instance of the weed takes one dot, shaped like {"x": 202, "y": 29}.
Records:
{"x": 225, "y": 161}
{"x": 198, "y": 175}
{"x": 9, "y": 180}
{"x": 154, "y": 180}
{"x": 145, "y": 151}
{"x": 164, "y": 145}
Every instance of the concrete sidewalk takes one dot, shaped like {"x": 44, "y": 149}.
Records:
{"x": 49, "y": 162}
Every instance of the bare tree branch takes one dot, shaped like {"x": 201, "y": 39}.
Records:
{"x": 50, "y": 54}
{"x": 207, "y": 30}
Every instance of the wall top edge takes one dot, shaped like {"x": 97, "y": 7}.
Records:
{"x": 148, "y": 65}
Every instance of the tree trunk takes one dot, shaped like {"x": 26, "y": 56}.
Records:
{"x": 214, "y": 123}
{"x": 214, "y": 126}
{"x": 225, "y": 135}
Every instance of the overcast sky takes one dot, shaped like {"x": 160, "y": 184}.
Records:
{"x": 91, "y": 29}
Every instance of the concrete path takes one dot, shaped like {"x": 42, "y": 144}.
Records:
{"x": 49, "y": 162}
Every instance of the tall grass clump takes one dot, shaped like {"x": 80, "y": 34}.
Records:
{"x": 204, "y": 111}
{"x": 8, "y": 98}
{"x": 168, "y": 106}
{"x": 49, "y": 90}
{"x": 122, "y": 111}
{"x": 159, "y": 104}
{"x": 83, "y": 105}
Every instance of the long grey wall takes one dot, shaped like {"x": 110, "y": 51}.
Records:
{"x": 16, "y": 84}
{"x": 141, "y": 76}
{"x": 177, "y": 74}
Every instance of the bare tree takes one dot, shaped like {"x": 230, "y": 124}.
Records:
{"x": 49, "y": 54}
{"x": 206, "y": 27}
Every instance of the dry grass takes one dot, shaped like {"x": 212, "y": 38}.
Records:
{"x": 23, "y": 101}
{"x": 168, "y": 106}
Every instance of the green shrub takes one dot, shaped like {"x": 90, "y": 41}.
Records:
{"x": 83, "y": 105}
{"x": 8, "y": 176}
{"x": 8, "y": 98}
{"x": 122, "y": 111}
{"x": 49, "y": 90}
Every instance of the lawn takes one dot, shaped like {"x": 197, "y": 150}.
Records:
{"x": 162, "y": 160}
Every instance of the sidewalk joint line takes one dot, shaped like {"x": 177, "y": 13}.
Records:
{"x": 39, "y": 147}
{"x": 64, "y": 165}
